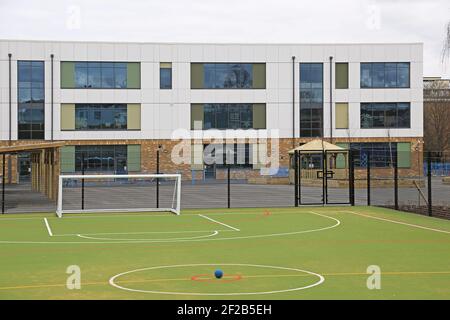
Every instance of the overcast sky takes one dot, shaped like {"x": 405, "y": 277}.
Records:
{"x": 287, "y": 21}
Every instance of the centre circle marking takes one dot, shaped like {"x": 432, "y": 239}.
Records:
{"x": 112, "y": 280}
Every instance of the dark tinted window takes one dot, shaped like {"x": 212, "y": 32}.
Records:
{"x": 385, "y": 115}
{"x": 385, "y": 75}
{"x": 228, "y": 75}
{"x": 100, "y": 75}
{"x": 100, "y": 117}
{"x": 31, "y": 120}
{"x": 101, "y": 158}
{"x": 227, "y": 116}
{"x": 311, "y": 99}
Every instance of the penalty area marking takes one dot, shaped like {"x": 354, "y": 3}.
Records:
{"x": 50, "y": 233}
{"x": 112, "y": 280}
{"x": 224, "y": 224}
{"x": 255, "y": 236}
{"x": 214, "y": 233}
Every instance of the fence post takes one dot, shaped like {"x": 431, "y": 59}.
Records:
{"x": 324, "y": 178}
{"x": 430, "y": 193}
{"x": 3, "y": 184}
{"x": 157, "y": 179}
{"x": 396, "y": 184}
{"x": 351, "y": 182}
{"x": 296, "y": 178}
{"x": 82, "y": 181}
{"x": 368, "y": 178}
{"x": 229, "y": 186}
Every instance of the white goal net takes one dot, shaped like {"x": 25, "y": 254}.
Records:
{"x": 119, "y": 193}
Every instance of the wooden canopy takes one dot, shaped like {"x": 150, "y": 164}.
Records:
{"x": 317, "y": 146}
{"x": 31, "y": 147}
{"x": 45, "y": 164}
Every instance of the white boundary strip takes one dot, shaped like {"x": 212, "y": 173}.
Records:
{"x": 50, "y": 233}
{"x": 320, "y": 281}
{"x": 224, "y": 224}
{"x": 397, "y": 222}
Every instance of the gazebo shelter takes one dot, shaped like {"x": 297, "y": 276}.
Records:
{"x": 45, "y": 170}
{"x": 313, "y": 154}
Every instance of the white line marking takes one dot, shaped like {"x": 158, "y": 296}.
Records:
{"x": 214, "y": 233}
{"x": 398, "y": 222}
{"x": 226, "y": 225}
{"x": 258, "y": 236}
{"x": 131, "y": 233}
{"x": 48, "y": 228}
{"x": 112, "y": 280}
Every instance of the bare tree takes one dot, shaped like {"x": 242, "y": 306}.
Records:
{"x": 437, "y": 116}
{"x": 446, "y": 47}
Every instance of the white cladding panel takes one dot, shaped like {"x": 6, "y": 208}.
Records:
{"x": 163, "y": 111}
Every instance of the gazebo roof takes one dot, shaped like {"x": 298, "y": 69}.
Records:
{"x": 317, "y": 145}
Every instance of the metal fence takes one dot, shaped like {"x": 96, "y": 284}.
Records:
{"x": 420, "y": 185}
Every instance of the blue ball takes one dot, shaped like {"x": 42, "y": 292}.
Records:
{"x": 218, "y": 274}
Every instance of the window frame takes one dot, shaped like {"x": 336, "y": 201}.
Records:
{"x": 370, "y": 106}
{"x": 204, "y": 87}
{"x": 101, "y": 76}
{"x": 102, "y": 108}
{"x": 161, "y": 68}
{"x": 33, "y": 107}
{"x": 398, "y": 63}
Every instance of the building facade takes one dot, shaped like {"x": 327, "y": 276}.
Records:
{"x": 117, "y": 104}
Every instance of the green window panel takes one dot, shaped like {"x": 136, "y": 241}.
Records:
{"x": 404, "y": 154}
{"x": 134, "y": 116}
{"x": 67, "y": 75}
{"x": 341, "y": 116}
{"x": 197, "y": 115}
{"x": 259, "y": 116}
{"x": 133, "y": 75}
{"x": 134, "y": 157}
{"x": 259, "y": 76}
{"x": 197, "y": 75}
{"x": 341, "y": 75}
{"x": 67, "y": 116}
{"x": 341, "y": 162}
{"x": 67, "y": 159}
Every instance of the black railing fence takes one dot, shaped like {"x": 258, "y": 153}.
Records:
{"x": 416, "y": 182}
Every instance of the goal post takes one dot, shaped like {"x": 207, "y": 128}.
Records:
{"x": 119, "y": 193}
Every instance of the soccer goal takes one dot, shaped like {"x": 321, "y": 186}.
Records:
{"x": 119, "y": 193}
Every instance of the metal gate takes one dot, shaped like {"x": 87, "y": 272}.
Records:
{"x": 323, "y": 177}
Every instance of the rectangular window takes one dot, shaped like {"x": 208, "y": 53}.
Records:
{"x": 385, "y": 75}
{"x": 236, "y": 155}
{"x": 100, "y": 75}
{"x": 382, "y": 155}
{"x": 311, "y": 99}
{"x": 228, "y": 75}
{"x": 165, "y": 75}
{"x": 385, "y": 115}
{"x": 229, "y": 116}
{"x": 31, "y": 118}
{"x": 101, "y": 158}
{"x": 100, "y": 117}
{"x": 341, "y": 76}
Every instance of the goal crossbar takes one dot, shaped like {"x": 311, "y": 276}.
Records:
{"x": 176, "y": 195}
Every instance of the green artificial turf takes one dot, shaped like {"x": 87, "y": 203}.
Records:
{"x": 275, "y": 251}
